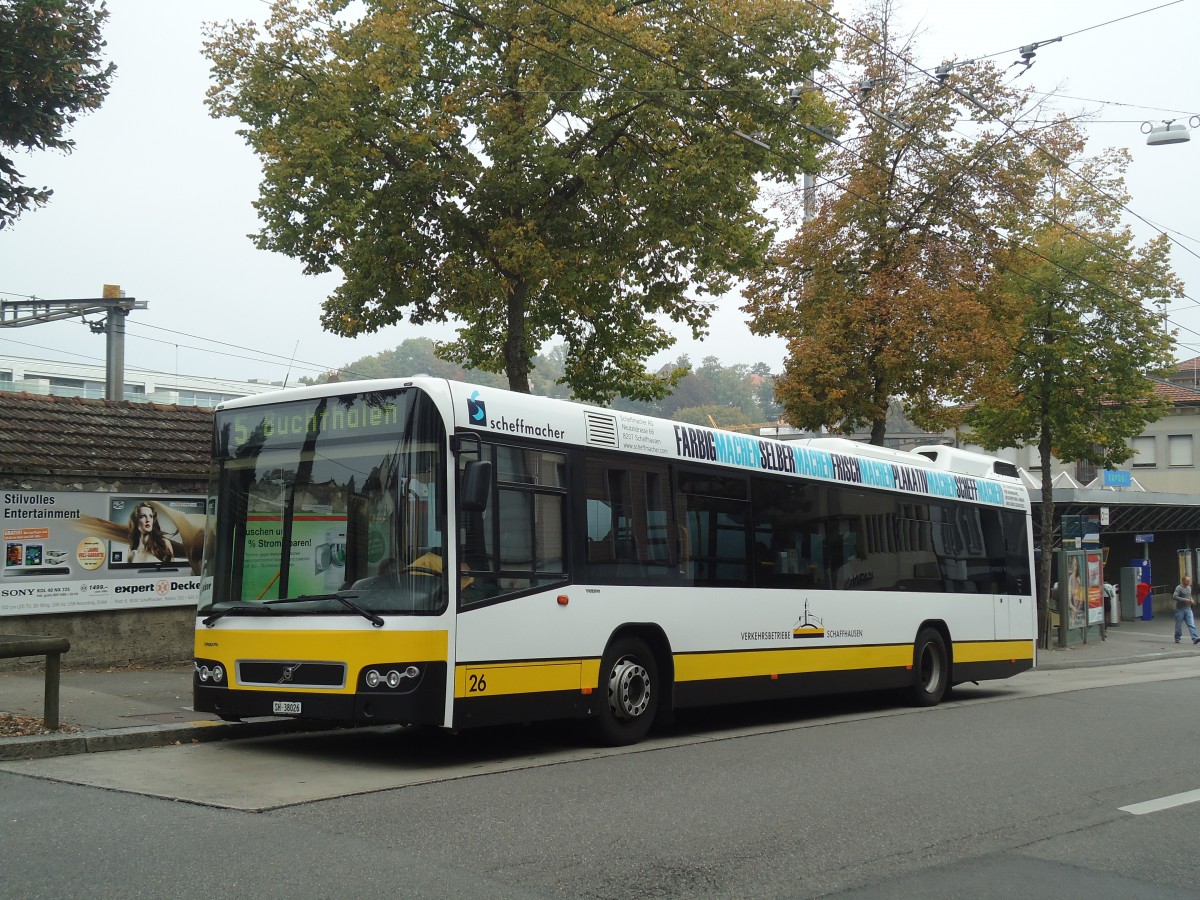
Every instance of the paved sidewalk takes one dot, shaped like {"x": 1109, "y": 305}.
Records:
{"x": 120, "y": 709}
{"x": 131, "y": 708}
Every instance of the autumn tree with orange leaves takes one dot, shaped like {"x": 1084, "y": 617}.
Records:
{"x": 889, "y": 291}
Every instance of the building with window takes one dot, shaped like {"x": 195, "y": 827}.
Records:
{"x": 66, "y": 379}
{"x": 1164, "y": 455}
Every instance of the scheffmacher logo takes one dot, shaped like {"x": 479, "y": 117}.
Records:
{"x": 476, "y": 409}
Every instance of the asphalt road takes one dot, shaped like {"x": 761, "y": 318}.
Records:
{"x": 1024, "y": 788}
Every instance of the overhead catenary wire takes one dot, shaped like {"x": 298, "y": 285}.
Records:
{"x": 482, "y": 20}
{"x": 1020, "y": 47}
{"x": 1008, "y": 128}
{"x": 991, "y": 114}
{"x": 317, "y": 367}
{"x": 253, "y": 353}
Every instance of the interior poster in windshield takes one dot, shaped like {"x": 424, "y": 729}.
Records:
{"x": 72, "y": 551}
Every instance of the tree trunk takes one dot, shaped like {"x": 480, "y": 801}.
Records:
{"x": 878, "y": 431}
{"x": 516, "y": 354}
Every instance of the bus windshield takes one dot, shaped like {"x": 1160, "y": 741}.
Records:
{"x": 331, "y": 504}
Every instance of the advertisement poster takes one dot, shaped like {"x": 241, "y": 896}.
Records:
{"x": 317, "y": 557}
{"x": 75, "y": 551}
{"x": 1077, "y": 596}
{"x": 1095, "y": 589}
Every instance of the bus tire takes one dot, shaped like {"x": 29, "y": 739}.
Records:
{"x": 629, "y": 691}
{"x": 931, "y": 669}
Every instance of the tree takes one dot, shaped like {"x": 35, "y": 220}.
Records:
{"x": 763, "y": 384}
{"x": 1080, "y": 385}
{"x": 729, "y": 417}
{"x": 887, "y": 292}
{"x": 418, "y": 356}
{"x": 50, "y": 72}
{"x": 557, "y": 168}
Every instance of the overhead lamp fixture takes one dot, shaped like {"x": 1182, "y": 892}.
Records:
{"x": 1169, "y": 132}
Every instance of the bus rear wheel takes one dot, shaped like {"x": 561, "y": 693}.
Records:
{"x": 931, "y": 669}
{"x": 629, "y": 688}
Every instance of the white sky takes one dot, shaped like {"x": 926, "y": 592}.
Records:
{"x": 156, "y": 196}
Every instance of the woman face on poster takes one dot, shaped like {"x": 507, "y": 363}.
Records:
{"x": 145, "y": 520}
{"x": 146, "y": 540}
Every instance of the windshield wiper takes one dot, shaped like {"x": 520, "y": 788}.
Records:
{"x": 254, "y": 609}
{"x": 375, "y": 620}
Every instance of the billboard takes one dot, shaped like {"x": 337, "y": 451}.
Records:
{"x": 75, "y": 551}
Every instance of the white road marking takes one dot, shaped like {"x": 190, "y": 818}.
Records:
{"x": 1150, "y": 806}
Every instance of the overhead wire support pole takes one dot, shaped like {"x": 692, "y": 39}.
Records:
{"x": 31, "y": 311}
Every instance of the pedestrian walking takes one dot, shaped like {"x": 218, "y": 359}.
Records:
{"x": 1183, "y": 609}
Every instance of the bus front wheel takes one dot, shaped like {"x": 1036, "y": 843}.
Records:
{"x": 629, "y": 693}
{"x": 931, "y": 668}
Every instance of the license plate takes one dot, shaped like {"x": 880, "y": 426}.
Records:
{"x": 286, "y": 707}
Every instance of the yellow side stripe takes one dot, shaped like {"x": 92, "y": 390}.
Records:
{"x": 993, "y": 651}
{"x": 520, "y": 678}
{"x": 749, "y": 663}
{"x": 476, "y": 680}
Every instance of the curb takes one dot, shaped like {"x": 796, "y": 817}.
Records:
{"x": 1111, "y": 661}
{"x": 142, "y": 737}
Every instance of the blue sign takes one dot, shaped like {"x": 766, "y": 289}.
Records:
{"x": 1144, "y": 538}
{"x": 1117, "y": 478}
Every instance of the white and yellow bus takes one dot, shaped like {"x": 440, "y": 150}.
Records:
{"x": 425, "y": 551}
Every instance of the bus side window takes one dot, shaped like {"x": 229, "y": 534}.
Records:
{"x": 519, "y": 542}
{"x": 629, "y": 532}
{"x": 714, "y": 526}
{"x": 789, "y": 534}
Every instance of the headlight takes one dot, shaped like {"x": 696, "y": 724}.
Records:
{"x": 394, "y": 678}
{"x": 209, "y": 672}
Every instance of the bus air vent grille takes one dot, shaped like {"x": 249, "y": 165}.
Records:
{"x": 601, "y": 430}
{"x": 290, "y": 673}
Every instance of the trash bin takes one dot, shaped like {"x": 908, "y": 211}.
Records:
{"x": 1112, "y": 606}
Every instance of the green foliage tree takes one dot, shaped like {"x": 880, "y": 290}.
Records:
{"x": 50, "y": 72}
{"x": 712, "y": 416}
{"x": 418, "y": 356}
{"x": 887, "y": 291}
{"x": 1089, "y": 340}
{"x": 763, "y": 382}
{"x": 554, "y": 169}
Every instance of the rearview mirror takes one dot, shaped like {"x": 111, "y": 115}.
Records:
{"x": 476, "y": 485}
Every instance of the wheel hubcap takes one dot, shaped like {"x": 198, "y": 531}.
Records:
{"x": 628, "y": 689}
{"x": 931, "y": 669}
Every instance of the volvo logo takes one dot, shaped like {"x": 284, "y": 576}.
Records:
{"x": 288, "y": 673}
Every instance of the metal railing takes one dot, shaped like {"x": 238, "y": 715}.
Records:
{"x": 14, "y": 646}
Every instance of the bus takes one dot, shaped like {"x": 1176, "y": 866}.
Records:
{"x": 423, "y": 551}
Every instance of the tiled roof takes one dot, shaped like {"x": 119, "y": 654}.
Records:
{"x": 1176, "y": 394}
{"x": 75, "y": 436}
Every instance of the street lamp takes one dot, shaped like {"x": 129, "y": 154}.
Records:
{"x": 1169, "y": 132}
